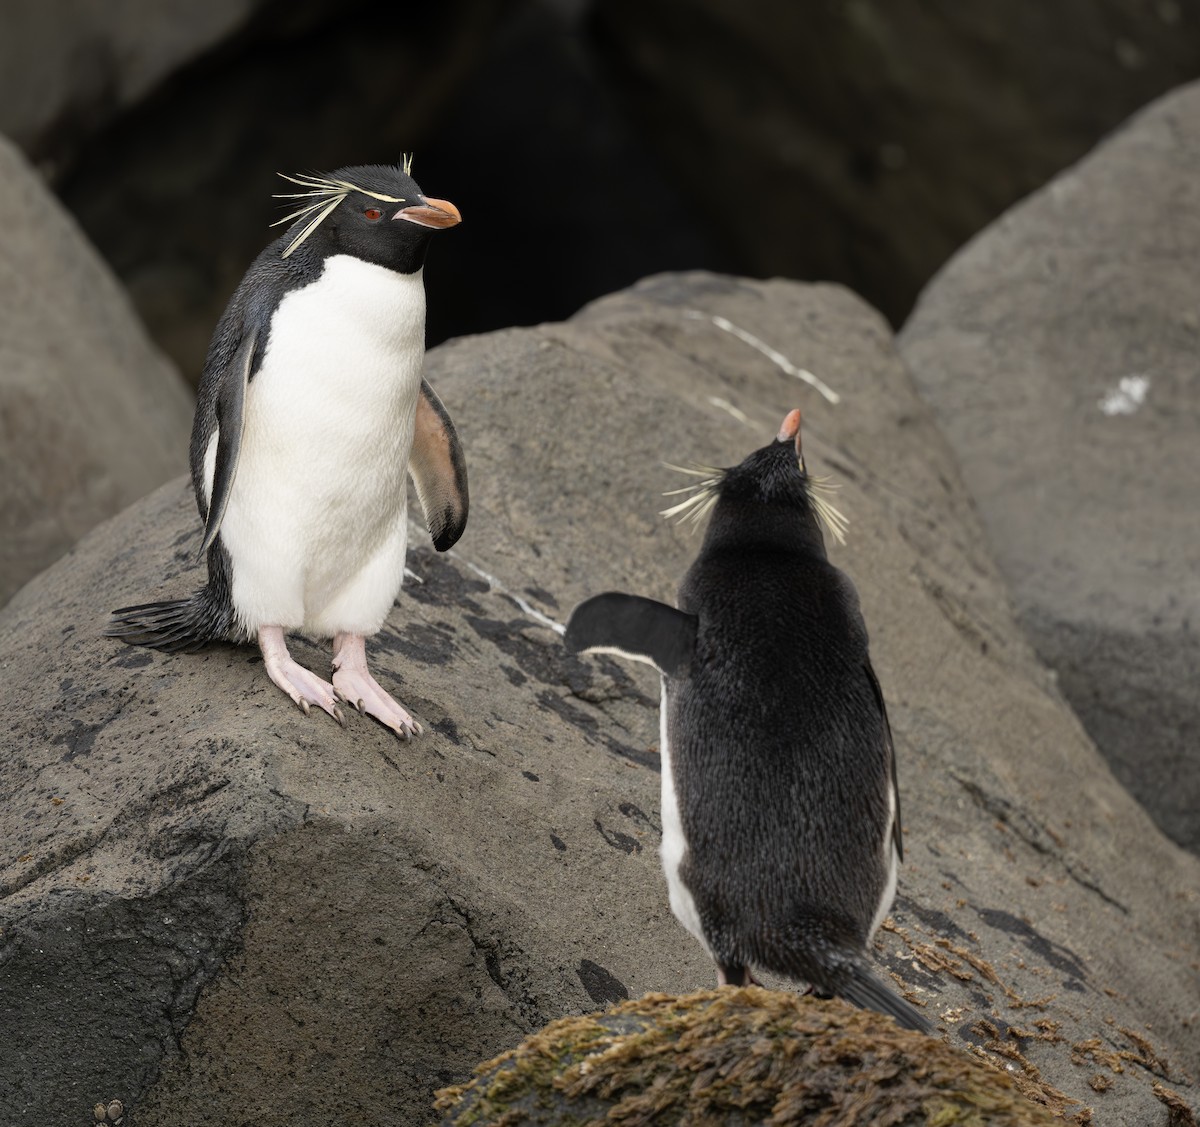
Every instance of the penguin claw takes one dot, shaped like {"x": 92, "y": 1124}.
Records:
{"x": 352, "y": 682}
{"x": 304, "y": 688}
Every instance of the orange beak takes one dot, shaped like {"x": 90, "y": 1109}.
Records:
{"x": 432, "y": 213}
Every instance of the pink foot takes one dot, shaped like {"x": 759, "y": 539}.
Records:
{"x": 303, "y": 687}
{"x": 356, "y": 686}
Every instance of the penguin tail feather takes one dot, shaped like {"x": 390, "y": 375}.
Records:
{"x": 173, "y": 625}
{"x": 813, "y": 951}
{"x": 865, "y": 990}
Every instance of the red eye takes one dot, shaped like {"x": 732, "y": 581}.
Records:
{"x": 373, "y": 213}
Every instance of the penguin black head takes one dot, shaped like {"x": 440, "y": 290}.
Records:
{"x": 770, "y": 496}
{"x": 374, "y": 212}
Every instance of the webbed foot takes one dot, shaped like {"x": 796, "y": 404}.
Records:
{"x": 354, "y": 684}
{"x": 303, "y": 687}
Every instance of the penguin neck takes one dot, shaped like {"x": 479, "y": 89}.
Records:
{"x": 771, "y": 526}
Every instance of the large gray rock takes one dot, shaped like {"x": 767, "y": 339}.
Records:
{"x": 214, "y": 901}
{"x": 91, "y": 416}
{"x": 1059, "y": 352}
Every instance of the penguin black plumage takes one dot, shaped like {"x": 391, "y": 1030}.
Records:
{"x": 781, "y": 817}
{"x": 311, "y": 410}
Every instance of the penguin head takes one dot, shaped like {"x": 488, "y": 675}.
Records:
{"x": 374, "y": 212}
{"x": 769, "y": 497}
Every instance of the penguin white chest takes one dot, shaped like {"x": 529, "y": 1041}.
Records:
{"x": 674, "y": 844}
{"x": 316, "y": 526}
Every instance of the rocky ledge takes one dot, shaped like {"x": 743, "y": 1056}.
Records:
{"x": 214, "y": 901}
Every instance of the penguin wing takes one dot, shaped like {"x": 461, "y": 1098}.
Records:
{"x": 891, "y": 753}
{"x": 231, "y": 414}
{"x": 634, "y": 627}
{"x": 439, "y": 470}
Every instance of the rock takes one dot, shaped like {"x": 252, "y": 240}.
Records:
{"x": 215, "y": 901}
{"x": 1059, "y": 352}
{"x": 70, "y": 67}
{"x": 91, "y": 416}
{"x": 865, "y": 141}
{"x": 737, "y": 1058}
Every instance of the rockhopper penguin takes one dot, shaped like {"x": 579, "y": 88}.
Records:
{"x": 781, "y": 818}
{"x": 311, "y": 410}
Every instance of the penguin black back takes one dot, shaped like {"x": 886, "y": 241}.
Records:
{"x": 781, "y": 653}
{"x": 780, "y": 811}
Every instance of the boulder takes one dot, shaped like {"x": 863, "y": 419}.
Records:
{"x": 1058, "y": 350}
{"x": 214, "y": 901}
{"x": 91, "y": 416}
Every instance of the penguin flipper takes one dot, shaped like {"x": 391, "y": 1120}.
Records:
{"x": 231, "y": 415}
{"x": 897, "y": 831}
{"x": 634, "y": 627}
{"x": 439, "y": 470}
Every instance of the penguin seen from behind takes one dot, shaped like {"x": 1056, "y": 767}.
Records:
{"x": 311, "y": 411}
{"x": 781, "y": 817}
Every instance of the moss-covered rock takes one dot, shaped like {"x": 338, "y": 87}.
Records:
{"x": 735, "y": 1058}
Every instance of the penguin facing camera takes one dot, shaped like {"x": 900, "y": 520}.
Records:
{"x": 780, "y": 813}
{"x": 311, "y": 411}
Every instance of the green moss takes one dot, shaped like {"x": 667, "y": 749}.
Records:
{"x": 735, "y": 1057}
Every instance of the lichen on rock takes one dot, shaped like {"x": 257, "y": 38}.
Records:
{"x": 733, "y": 1057}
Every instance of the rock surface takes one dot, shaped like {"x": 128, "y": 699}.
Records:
{"x": 215, "y": 901}
{"x": 1059, "y": 352}
{"x": 91, "y": 416}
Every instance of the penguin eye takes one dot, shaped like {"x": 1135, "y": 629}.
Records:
{"x": 372, "y": 213}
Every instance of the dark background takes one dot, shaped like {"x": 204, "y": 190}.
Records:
{"x": 591, "y": 143}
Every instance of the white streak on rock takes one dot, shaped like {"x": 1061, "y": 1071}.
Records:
{"x": 500, "y": 589}
{"x": 728, "y": 407}
{"x": 1127, "y": 396}
{"x": 770, "y": 353}
{"x": 495, "y": 585}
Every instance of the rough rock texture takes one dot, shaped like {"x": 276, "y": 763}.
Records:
{"x": 69, "y": 67}
{"x": 91, "y": 416}
{"x": 737, "y": 1058}
{"x": 1059, "y": 353}
{"x": 865, "y": 140}
{"x": 365, "y": 920}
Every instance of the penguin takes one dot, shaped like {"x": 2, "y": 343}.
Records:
{"x": 311, "y": 409}
{"x": 780, "y": 810}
